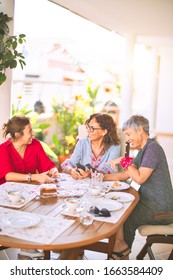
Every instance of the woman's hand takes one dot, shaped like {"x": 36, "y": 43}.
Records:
{"x": 54, "y": 173}
{"x": 78, "y": 173}
{"x": 43, "y": 178}
{"x": 114, "y": 162}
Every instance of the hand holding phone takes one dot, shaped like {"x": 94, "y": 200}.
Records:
{"x": 80, "y": 166}
{"x": 89, "y": 166}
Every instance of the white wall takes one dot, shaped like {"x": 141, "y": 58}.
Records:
{"x": 7, "y": 7}
{"x": 164, "y": 116}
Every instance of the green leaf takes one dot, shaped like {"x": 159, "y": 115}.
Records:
{"x": 56, "y": 141}
{"x": 13, "y": 64}
{"x": 14, "y": 45}
{"x": 2, "y": 78}
{"x": 22, "y": 35}
{"x": 48, "y": 151}
{"x": 43, "y": 125}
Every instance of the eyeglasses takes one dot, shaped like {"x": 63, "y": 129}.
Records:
{"x": 103, "y": 212}
{"x": 92, "y": 129}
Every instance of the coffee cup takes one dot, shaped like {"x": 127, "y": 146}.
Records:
{"x": 72, "y": 203}
{"x": 15, "y": 196}
{"x": 95, "y": 190}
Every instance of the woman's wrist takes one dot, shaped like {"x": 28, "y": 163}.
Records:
{"x": 69, "y": 170}
{"x": 126, "y": 162}
{"x": 53, "y": 171}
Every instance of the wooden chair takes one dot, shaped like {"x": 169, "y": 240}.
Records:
{"x": 156, "y": 234}
{"x": 125, "y": 146}
{"x": 3, "y": 248}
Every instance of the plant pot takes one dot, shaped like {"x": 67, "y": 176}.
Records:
{"x": 61, "y": 158}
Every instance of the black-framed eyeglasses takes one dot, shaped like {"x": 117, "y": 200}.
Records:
{"x": 92, "y": 128}
{"x": 97, "y": 212}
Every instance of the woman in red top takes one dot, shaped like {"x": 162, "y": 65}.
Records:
{"x": 22, "y": 157}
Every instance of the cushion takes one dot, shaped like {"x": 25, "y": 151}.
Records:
{"x": 146, "y": 230}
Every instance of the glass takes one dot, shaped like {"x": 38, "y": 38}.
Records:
{"x": 96, "y": 184}
{"x": 86, "y": 218}
{"x": 96, "y": 179}
{"x": 92, "y": 129}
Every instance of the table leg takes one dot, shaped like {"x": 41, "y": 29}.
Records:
{"x": 70, "y": 254}
{"x": 46, "y": 255}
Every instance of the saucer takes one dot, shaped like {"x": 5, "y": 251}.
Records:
{"x": 20, "y": 201}
{"x": 79, "y": 209}
{"x": 98, "y": 195}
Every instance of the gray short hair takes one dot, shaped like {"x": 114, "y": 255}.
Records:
{"x": 135, "y": 122}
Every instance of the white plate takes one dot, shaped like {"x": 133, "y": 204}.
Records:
{"x": 28, "y": 192}
{"x": 98, "y": 195}
{"x": 120, "y": 196}
{"x": 79, "y": 209}
{"x": 121, "y": 186}
{"x": 109, "y": 205}
{"x": 22, "y": 221}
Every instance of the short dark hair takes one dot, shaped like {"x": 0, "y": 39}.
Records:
{"x": 135, "y": 122}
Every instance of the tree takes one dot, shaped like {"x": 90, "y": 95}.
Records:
{"x": 9, "y": 55}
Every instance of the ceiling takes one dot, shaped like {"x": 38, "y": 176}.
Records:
{"x": 141, "y": 18}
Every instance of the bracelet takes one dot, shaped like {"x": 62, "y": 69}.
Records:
{"x": 28, "y": 177}
{"x": 126, "y": 162}
{"x": 55, "y": 170}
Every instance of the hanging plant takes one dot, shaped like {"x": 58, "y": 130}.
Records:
{"x": 9, "y": 56}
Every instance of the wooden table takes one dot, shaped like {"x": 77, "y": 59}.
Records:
{"x": 77, "y": 236}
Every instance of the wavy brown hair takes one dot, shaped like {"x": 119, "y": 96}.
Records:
{"x": 106, "y": 122}
{"x": 15, "y": 125}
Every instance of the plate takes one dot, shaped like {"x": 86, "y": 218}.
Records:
{"x": 120, "y": 196}
{"x": 109, "y": 205}
{"x": 27, "y": 191}
{"x": 121, "y": 185}
{"x": 22, "y": 221}
{"x": 77, "y": 210}
{"x": 20, "y": 201}
{"x": 98, "y": 195}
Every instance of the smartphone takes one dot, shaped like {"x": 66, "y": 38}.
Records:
{"x": 80, "y": 166}
{"x": 58, "y": 179}
{"x": 89, "y": 166}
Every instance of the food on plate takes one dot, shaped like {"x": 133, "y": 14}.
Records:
{"x": 115, "y": 197}
{"x": 48, "y": 191}
{"x": 116, "y": 184}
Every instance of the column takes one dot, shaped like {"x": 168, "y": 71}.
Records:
{"x": 7, "y": 7}
{"x": 127, "y": 81}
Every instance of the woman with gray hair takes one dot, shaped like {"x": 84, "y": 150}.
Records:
{"x": 149, "y": 169}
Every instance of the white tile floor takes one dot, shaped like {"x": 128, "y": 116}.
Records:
{"x": 161, "y": 251}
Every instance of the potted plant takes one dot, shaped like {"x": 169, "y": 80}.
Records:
{"x": 68, "y": 117}
{"x": 9, "y": 55}
{"x": 92, "y": 91}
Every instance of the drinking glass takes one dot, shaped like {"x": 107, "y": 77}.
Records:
{"x": 85, "y": 217}
{"x": 96, "y": 179}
